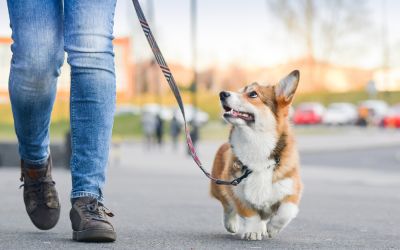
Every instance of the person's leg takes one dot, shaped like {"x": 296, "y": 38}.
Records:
{"x": 37, "y": 57}
{"x": 36, "y": 60}
{"x": 88, "y": 42}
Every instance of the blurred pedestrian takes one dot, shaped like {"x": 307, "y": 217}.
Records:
{"x": 159, "y": 130}
{"x": 149, "y": 125}
{"x": 194, "y": 133}
{"x": 42, "y": 31}
{"x": 363, "y": 117}
{"x": 175, "y": 130}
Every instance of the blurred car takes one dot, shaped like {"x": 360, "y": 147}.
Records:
{"x": 340, "y": 113}
{"x": 377, "y": 109}
{"x": 308, "y": 113}
{"x": 193, "y": 115}
{"x": 155, "y": 109}
{"x": 392, "y": 119}
{"x": 291, "y": 113}
{"x": 127, "y": 109}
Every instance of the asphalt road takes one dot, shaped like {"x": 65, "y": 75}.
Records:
{"x": 161, "y": 201}
{"x": 384, "y": 158}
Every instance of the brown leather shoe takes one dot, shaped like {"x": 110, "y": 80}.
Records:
{"x": 89, "y": 221}
{"x": 40, "y": 195}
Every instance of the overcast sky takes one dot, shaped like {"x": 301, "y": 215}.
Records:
{"x": 234, "y": 31}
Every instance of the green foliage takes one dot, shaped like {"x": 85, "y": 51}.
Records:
{"x": 127, "y": 126}
{"x": 352, "y": 97}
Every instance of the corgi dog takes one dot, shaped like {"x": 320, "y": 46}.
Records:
{"x": 261, "y": 140}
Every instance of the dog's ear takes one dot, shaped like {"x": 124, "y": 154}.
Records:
{"x": 286, "y": 87}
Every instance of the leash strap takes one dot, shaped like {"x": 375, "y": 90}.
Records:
{"x": 172, "y": 84}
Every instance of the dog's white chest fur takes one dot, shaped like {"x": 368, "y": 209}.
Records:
{"x": 253, "y": 149}
{"x": 260, "y": 192}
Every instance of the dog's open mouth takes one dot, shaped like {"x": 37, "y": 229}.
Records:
{"x": 229, "y": 112}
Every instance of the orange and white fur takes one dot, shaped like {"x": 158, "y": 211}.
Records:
{"x": 268, "y": 199}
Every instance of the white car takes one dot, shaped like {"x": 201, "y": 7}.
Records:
{"x": 127, "y": 109}
{"x": 377, "y": 109}
{"x": 193, "y": 115}
{"x": 155, "y": 109}
{"x": 340, "y": 113}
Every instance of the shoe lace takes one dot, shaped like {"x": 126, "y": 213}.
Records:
{"x": 96, "y": 211}
{"x": 36, "y": 187}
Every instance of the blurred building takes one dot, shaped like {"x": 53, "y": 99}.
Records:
{"x": 387, "y": 79}
{"x": 144, "y": 76}
{"x": 323, "y": 76}
{"x": 315, "y": 76}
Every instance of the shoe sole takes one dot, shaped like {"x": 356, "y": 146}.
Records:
{"x": 91, "y": 235}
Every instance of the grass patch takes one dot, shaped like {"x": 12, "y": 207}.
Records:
{"x": 129, "y": 126}
{"x": 353, "y": 97}
{"x": 7, "y": 131}
{"x": 126, "y": 126}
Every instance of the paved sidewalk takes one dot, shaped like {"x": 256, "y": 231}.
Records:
{"x": 348, "y": 138}
{"x": 161, "y": 201}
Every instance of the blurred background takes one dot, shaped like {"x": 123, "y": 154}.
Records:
{"x": 346, "y": 114}
{"x": 347, "y": 52}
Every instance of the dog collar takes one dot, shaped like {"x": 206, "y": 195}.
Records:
{"x": 243, "y": 168}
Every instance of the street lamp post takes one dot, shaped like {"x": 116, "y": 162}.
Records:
{"x": 193, "y": 10}
{"x": 194, "y": 133}
{"x": 155, "y": 79}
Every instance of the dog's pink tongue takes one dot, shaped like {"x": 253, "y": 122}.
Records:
{"x": 235, "y": 114}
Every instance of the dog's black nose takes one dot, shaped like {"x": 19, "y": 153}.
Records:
{"x": 223, "y": 95}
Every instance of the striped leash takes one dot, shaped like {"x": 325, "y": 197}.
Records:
{"x": 172, "y": 84}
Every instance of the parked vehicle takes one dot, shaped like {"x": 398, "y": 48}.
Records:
{"x": 308, "y": 113}
{"x": 340, "y": 113}
{"x": 392, "y": 119}
{"x": 376, "y": 110}
{"x": 291, "y": 113}
{"x": 155, "y": 109}
{"x": 193, "y": 115}
{"x": 127, "y": 109}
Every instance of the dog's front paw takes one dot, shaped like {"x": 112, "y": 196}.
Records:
{"x": 264, "y": 232}
{"x": 272, "y": 230}
{"x": 231, "y": 221}
{"x": 252, "y": 236}
{"x": 232, "y": 225}
{"x": 253, "y": 228}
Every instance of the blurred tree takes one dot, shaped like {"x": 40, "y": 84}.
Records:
{"x": 343, "y": 24}
{"x": 323, "y": 25}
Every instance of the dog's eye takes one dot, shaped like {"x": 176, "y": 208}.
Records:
{"x": 252, "y": 94}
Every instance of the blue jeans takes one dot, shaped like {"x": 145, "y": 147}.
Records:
{"x": 42, "y": 31}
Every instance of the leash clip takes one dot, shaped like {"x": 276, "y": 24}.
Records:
{"x": 235, "y": 182}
